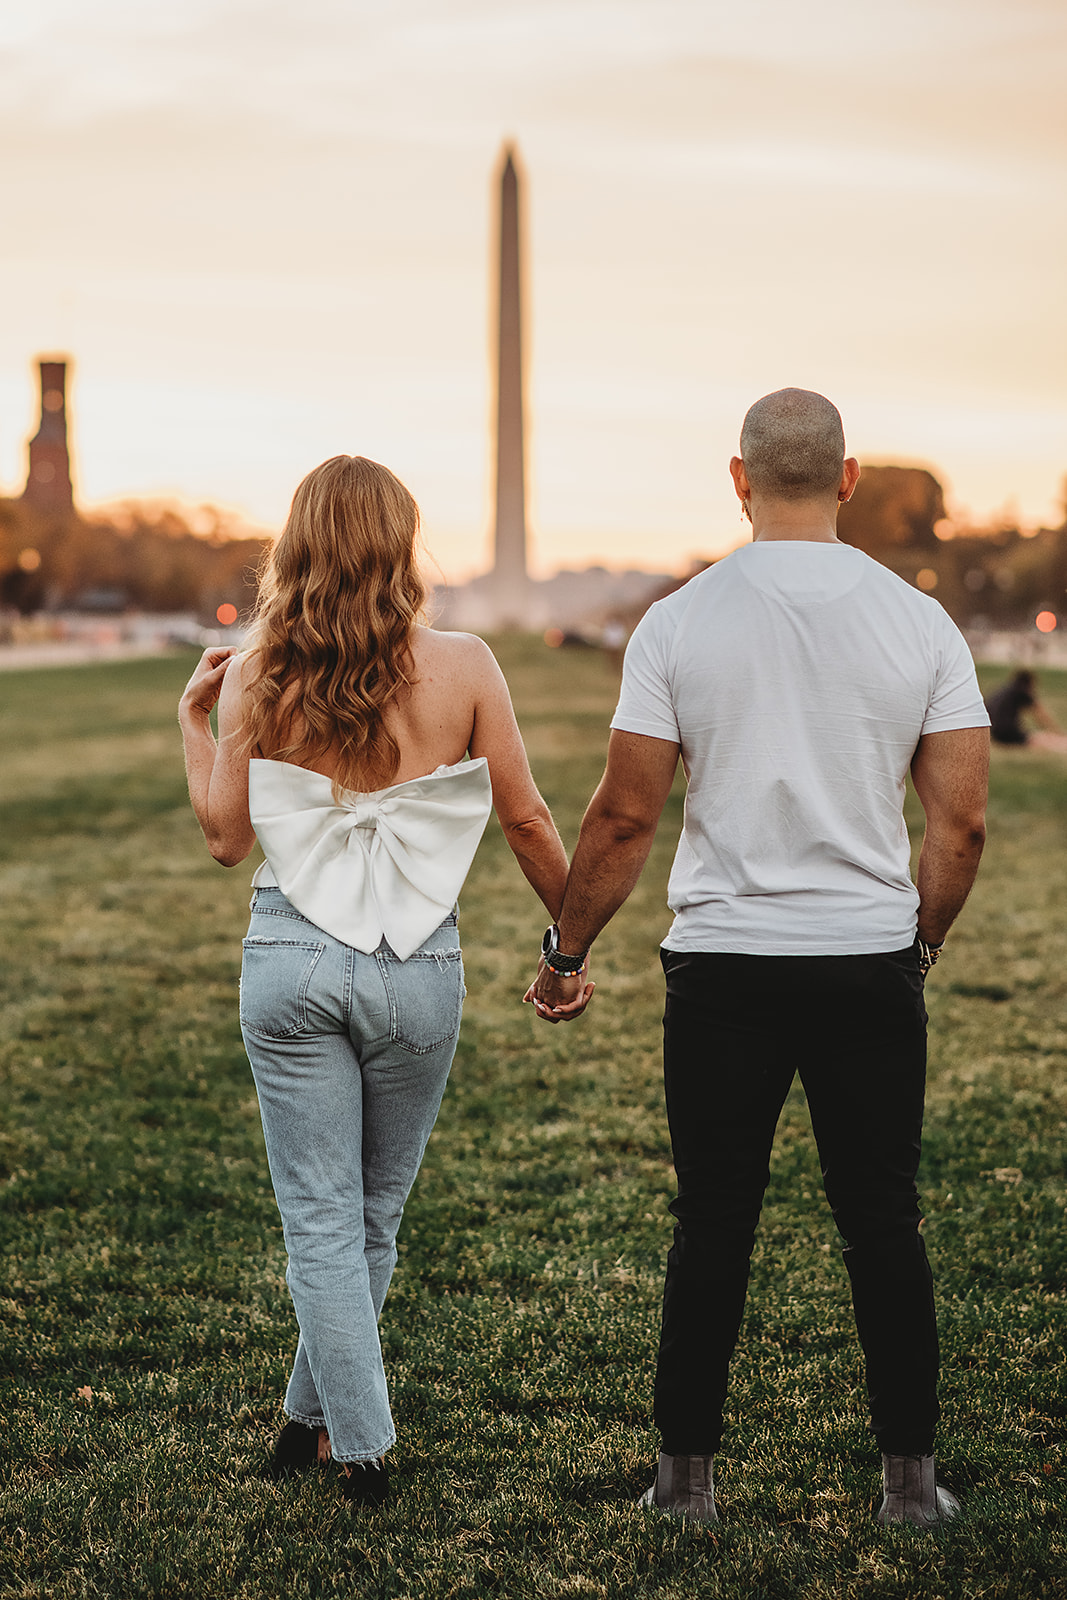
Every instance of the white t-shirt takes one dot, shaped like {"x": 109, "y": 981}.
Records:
{"x": 797, "y": 678}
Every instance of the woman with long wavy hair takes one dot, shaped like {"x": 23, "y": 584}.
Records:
{"x": 364, "y": 750}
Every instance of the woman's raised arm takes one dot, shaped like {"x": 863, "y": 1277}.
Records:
{"x": 217, "y": 774}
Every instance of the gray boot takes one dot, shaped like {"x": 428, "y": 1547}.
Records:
{"x": 911, "y": 1493}
{"x": 684, "y": 1487}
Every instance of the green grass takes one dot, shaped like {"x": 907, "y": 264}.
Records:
{"x": 142, "y": 1256}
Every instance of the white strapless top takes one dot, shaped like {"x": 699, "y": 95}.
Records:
{"x": 389, "y": 863}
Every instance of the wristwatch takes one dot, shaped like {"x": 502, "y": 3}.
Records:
{"x": 563, "y": 966}
{"x": 928, "y": 954}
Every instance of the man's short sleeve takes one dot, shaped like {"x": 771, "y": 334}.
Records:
{"x": 956, "y": 701}
{"x": 645, "y": 703}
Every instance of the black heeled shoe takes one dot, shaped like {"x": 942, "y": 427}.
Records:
{"x": 297, "y": 1450}
{"x": 365, "y": 1483}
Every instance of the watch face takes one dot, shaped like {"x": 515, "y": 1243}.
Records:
{"x": 547, "y": 942}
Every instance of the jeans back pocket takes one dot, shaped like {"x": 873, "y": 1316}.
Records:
{"x": 425, "y": 998}
{"x": 275, "y": 977}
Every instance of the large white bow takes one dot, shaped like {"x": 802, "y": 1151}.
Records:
{"x": 390, "y": 863}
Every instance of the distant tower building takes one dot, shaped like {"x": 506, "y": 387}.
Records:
{"x": 48, "y": 487}
{"x": 510, "y": 580}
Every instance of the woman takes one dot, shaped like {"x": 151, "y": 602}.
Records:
{"x": 343, "y": 733}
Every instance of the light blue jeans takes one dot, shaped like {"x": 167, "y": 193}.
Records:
{"x": 350, "y": 1055}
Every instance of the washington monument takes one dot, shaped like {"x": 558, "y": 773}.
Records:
{"x": 509, "y": 565}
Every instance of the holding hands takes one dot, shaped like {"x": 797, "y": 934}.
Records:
{"x": 560, "y": 992}
{"x": 617, "y": 832}
{"x": 556, "y": 998}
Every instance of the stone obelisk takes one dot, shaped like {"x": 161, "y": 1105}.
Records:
{"x": 509, "y": 565}
{"x": 48, "y": 486}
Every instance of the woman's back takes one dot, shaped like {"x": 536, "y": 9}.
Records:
{"x": 433, "y": 719}
{"x": 365, "y": 859}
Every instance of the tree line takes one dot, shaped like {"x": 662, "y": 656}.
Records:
{"x": 138, "y": 557}
{"x": 133, "y": 557}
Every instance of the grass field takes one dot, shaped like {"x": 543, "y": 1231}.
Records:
{"x": 147, "y": 1328}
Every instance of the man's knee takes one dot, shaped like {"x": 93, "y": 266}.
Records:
{"x": 877, "y": 1217}
{"x": 710, "y": 1224}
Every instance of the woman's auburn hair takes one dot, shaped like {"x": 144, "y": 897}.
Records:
{"x": 330, "y": 642}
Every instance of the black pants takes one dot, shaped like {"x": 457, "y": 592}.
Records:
{"x": 736, "y": 1029}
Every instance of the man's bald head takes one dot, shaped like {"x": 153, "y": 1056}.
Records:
{"x": 793, "y": 445}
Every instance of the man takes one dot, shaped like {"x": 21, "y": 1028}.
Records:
{"x": 1006, "y": 706}
{"x": 799, "y": 680}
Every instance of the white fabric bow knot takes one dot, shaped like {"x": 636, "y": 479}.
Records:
{"x": 388, "y": 864}
{"x": 364, "y": 811}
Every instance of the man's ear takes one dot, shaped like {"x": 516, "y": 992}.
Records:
{"x": 850, "y": 476}
{"x": 740, "y": 477}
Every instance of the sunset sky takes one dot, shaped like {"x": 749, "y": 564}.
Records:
{"x": 264, "y": 233}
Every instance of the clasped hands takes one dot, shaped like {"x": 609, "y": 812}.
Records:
{"x": 556, "y": 997}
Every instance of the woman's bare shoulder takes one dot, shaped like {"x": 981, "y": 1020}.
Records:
{"x": 461, "y": 656}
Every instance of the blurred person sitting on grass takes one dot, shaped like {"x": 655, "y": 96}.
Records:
{"x": 345, "y": 730}
{"x": 1006, "y": 706}
{"x": 799, "y": 680}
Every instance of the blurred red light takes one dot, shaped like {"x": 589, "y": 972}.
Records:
{"x": 1045, "y": 621}
{"x": 227, "y": 614}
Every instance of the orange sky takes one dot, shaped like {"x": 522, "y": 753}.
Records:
{"x": 263, "y": 231}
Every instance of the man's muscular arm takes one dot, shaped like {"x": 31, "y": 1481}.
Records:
{"x": 951, "y": 776}
{"x": 617, "y": 833}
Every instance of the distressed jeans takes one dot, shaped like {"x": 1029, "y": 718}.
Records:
{"x": 737, "y": 1029}
{"x": 350, "y": 1055}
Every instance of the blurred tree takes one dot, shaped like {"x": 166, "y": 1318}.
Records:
{"x": 149, "y": 556}
{"x": 893, "y": 508}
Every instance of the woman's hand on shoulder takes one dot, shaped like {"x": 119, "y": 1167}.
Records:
{"x": 204, "y": 687}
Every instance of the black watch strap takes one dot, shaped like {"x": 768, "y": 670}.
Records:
{"x": 563, "y": 966}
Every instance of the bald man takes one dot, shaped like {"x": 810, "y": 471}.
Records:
{"x": 799, "y": 681}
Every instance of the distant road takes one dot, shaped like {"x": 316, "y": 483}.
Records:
{"x": 77, "y": 653}
{"x": 1024, "y": 648}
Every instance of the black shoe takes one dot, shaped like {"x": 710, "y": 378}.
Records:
{"x": 297, "y": 1450}
{"x": 365, "y": 1483}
